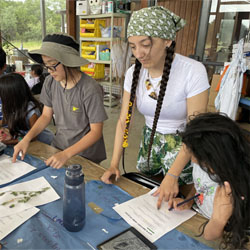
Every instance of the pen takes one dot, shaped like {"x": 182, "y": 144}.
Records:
{"x": 185, "y": 201}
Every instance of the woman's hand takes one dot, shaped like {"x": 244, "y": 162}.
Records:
{"x": 21, "y": 148}
{"x": 168, "y": 189}
{"x": 108, "y": 173}
{"x": 57, "y": 160}
{"x": 174, "y": 202}
{"x": 5, "y": 135}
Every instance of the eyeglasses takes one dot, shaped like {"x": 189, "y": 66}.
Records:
{"x": 52, "y": 68}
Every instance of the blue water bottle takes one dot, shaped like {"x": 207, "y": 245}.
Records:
{"x": 74, "y": 199}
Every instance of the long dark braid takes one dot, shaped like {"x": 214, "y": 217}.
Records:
{"x": 136, "y": 74}
{"x": 165, "y": 76}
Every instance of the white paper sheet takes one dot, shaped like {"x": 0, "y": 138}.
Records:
{"x": 10, "y": 171}
{"x": 142, "y": 214}
{"x": 34, "y": 185}
{"x": 10, "y": 223}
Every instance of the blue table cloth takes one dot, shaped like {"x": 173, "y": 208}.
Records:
{"x": 35, "y": 162}
{"x": 45, "y": 229}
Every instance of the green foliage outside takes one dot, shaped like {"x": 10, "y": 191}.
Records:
{"x": 20, "y": 21}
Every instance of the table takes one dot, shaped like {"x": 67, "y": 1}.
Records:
{"x": 93, "y": 171}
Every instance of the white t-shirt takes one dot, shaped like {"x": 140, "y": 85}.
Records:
{"x": 206, "y": 188}
{"x": 187, "y": 78}
{"x": 33, "y": 81}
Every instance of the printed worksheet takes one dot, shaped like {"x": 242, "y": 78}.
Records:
{"x": 22, "y": 196}
{"x": 10, "y": 223}
{"x": 142, "y": 214}
{"x": 10, "y": 171}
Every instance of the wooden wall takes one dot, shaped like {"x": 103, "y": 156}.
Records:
{"x": 187, "y": 9}
{"x": 190, "y": 11}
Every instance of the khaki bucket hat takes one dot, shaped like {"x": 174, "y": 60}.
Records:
{"x": 61, "y": 47}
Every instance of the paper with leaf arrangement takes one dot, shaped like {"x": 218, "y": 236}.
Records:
{"x": 10, "y": 171}
{"x": 10, "y": 223}
{"x": 21, "y": 196}
{"x": 142, "y": 214}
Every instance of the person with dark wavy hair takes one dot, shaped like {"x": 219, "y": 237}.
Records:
{"x": 20, "y": 110}
{"x": 167, "y": 87}
{"x": 221, "y": 173}
{"x": 2, "y": 69}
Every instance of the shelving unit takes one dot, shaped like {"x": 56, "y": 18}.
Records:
{"x": 109, "y": 40}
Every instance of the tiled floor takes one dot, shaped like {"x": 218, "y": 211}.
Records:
{"x": 109, "y": 135}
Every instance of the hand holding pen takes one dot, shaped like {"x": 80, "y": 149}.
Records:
{"x": 184, "y": 204}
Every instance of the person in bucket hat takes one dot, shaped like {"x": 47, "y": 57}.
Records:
{"x": 73, "y": 98}
{"x": 167, "y": 87}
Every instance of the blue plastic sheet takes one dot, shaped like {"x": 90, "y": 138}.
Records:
{"x": 45, "y": 229}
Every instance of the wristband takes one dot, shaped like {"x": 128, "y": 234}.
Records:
{"x": 174, "y": 176}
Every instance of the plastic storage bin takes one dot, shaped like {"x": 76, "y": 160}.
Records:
{"x": 94, "y": 70}
{"x": 91, "y": 29}
{"x": 105, "y": 55}
{"x": 90, "y": 50}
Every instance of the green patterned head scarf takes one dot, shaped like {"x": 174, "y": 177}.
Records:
{"x": 155, "y": 22}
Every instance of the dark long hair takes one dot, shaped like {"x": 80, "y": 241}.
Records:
{"x": 16, "y": 95}
{"x": 218, "y": 142}
{"x": 163, "y": 86}
{"x": 38, "y": 69}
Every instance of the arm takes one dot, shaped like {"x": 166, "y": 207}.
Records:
{"x": 222, "y": 211}
{"x": 117, "y": 149}
{"x": 38, "y": 126}
{"x": 169, "y": 186}
{"x": 58, "y": 160}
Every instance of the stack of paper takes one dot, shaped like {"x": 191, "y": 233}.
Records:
{"x": 142, "y": 214}
{"x": 18, "y": 202}
{"x": 10, "y": 171}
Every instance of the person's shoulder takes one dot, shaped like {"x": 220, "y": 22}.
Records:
{"x": 30, "y": 104}
{"x": 187, "y": 61}
{"x": 48, "y": 80}
{"x": 89, "y": 84}
{"x": 131, "y": 69}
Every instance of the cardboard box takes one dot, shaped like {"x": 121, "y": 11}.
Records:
{"x": 211, "y": 108}
{"x": 215, "y": 81}
{"x": 82, "y": 7}
{"x": 212, "y": 96}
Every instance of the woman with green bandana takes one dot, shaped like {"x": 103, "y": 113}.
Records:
{"x": 166, "y": 88}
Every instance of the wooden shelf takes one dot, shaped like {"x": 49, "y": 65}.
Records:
{"x": 108, "y": 85}
{"x": 107, "y": 15}
{"x": 99, "y": 61}
{"x": 100, "y": 39}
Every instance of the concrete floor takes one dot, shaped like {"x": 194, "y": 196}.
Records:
{"x": 109, "y": 135}
{"x": 133, "y": 141}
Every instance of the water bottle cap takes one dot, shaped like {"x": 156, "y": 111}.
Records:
{"x": 74, "y": 170}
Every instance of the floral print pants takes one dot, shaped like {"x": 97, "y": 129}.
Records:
{"x": 164, "y": 150}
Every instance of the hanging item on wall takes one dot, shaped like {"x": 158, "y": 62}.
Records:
{"x": 227, "y": 100}
{"x": 95, "y": 6}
